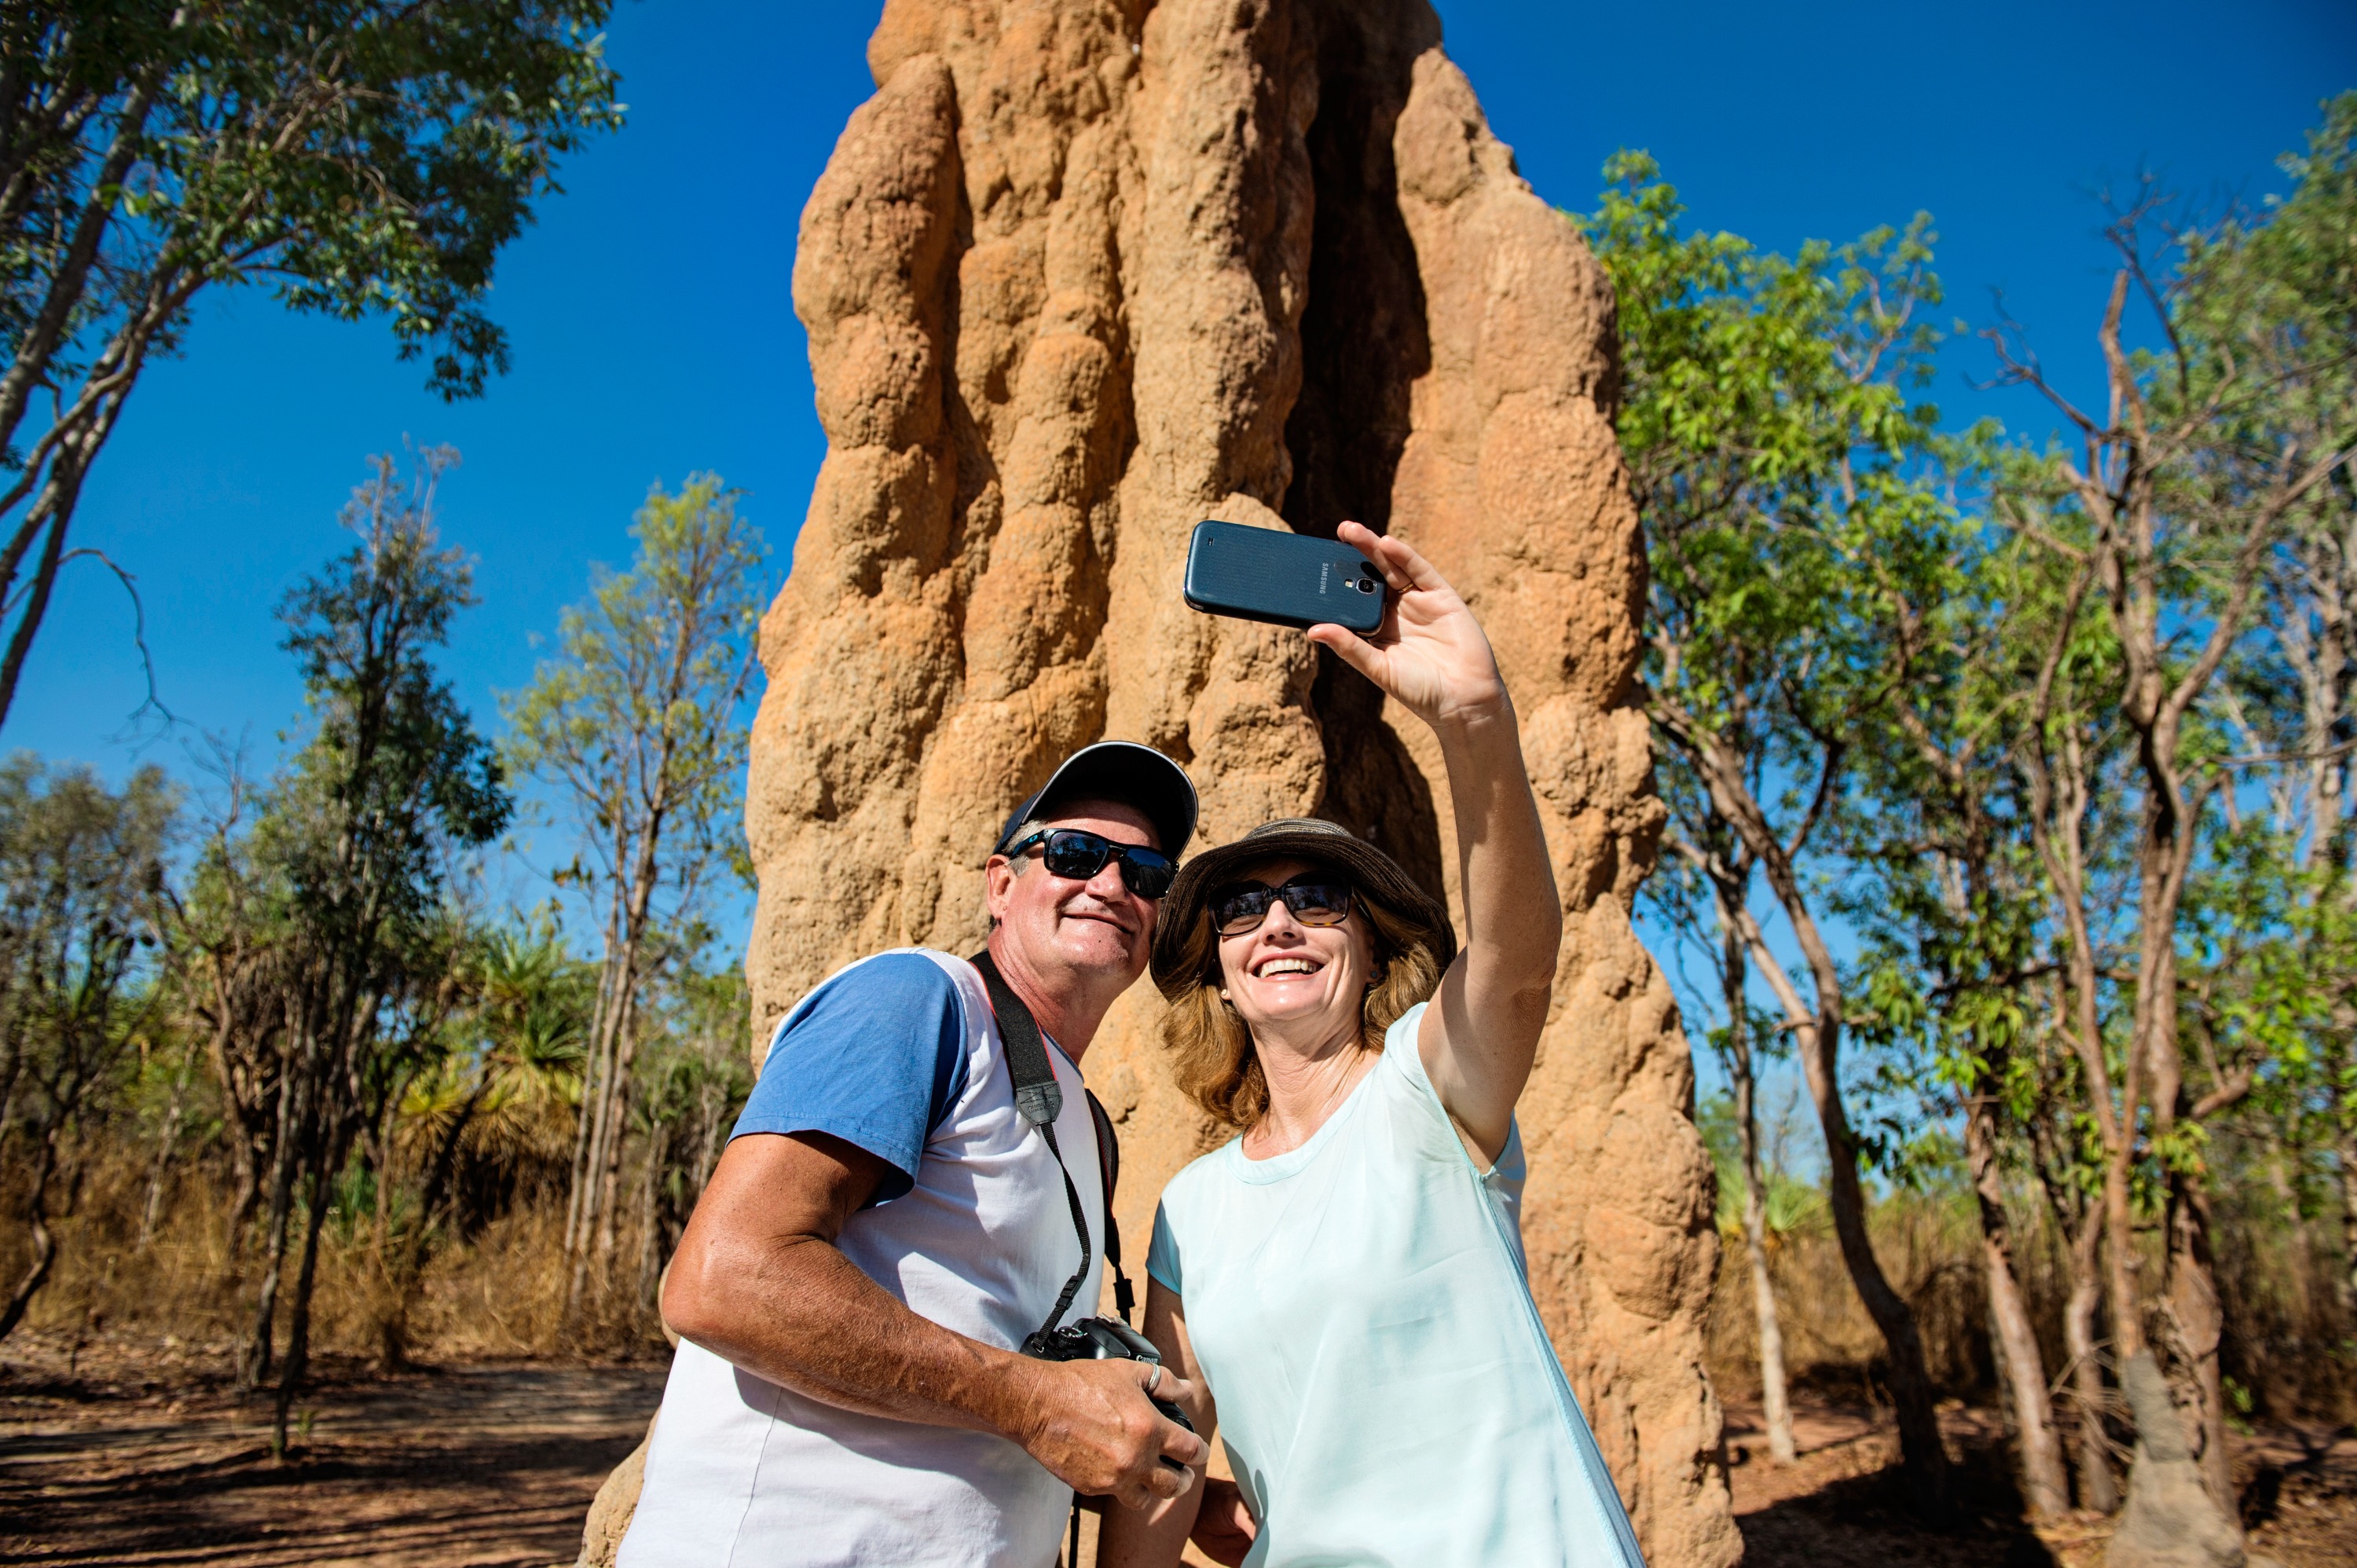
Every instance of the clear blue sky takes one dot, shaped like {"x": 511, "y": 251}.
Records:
{"x": 654, "y": 335}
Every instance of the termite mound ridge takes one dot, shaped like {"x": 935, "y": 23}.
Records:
{"x": 1083, "y": 273}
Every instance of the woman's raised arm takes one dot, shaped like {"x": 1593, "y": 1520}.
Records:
{"x": 1482, "y": 1029}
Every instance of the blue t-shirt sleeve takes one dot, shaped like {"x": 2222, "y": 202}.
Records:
{"x": 875, "y": 1057}
{"x": 1162, "y": 1257}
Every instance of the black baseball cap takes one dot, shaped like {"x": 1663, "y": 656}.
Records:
{"x": 1119, "y": 770}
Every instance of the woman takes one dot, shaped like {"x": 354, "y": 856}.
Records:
{"x": 1345, "y": 1278}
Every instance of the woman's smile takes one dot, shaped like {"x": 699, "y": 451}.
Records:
{"x": 1290, "y": 978}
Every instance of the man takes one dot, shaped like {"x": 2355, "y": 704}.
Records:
{"x": 885, "y": 1226}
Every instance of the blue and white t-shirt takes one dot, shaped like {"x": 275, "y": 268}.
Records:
{"x": 899, "y": 1055}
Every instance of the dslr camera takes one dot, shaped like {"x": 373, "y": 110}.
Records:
{"x": 1104, "y": 1339}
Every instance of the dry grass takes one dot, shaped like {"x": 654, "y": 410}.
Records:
{"x": 497, "y": 1295}
{"x": 2290, "y": 1344}
{"x": 1930, "y": 1249}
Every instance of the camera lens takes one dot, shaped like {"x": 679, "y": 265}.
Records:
{"x": 1364, "y": 584}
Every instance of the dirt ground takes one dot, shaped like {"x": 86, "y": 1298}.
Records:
{"x": 142, "y": 1455}
{"x": 1840, "y": 1505}
{"x": 154, "y": 1458}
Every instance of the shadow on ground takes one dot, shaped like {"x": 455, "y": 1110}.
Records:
{"x": 1863, "y": 1521}
{"x": 1841, "y": 1505}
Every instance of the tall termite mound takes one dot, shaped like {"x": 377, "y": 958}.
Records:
{"x": 1084, "y": 272}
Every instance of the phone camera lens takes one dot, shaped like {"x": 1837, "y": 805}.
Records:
{"x": 1364, "y": 584}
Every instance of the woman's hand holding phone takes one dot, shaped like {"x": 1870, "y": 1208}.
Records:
{"x": 1429, "y": 652}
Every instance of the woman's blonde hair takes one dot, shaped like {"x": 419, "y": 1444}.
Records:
{"x": 1212, "y": 1057}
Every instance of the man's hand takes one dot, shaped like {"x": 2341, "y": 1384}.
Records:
{"x": 1092, "y": 1426}
{"x": 1224, "y": 1529}
{"x": 758, "y": 1282}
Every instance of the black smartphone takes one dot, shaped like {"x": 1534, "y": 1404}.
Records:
{"x": 1290, "y": 579}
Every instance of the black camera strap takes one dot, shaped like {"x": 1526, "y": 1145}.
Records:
{"x": 1039, "y": 1099}
{"x": 1109, "y": 1162}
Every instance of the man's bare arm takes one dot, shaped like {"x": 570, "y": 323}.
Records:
{"x": 759, "y": 1280}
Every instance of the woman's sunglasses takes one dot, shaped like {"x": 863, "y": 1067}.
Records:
{"x": 1315, "y": 900}
{"x": 1077, "y": 855}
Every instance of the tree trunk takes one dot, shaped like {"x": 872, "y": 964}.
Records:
{"x": 1775, "y": 1402}
{"x": 617, "y": 1123}
{"x": 2189, "y": 1287}
{"x": 1922, "y": 1455}
{"x": 593, "y": 1100}
{"x": 649, "y": 1230}
{"x": 8, "y": 1098}
{"x": 2045, "y": 1486}
{"x": 286, "y": 1157}
{"x": 708, "y": 1140}
{"x": 299, "y": 1326}
{"x": 45, "y": 1243}
{"x": 246, "y": 1129}
{"x": 2192, "y": 1293}
{"x": 153, "y": 1208}
{"x": 589, "y": 1184}
{"x": 1818, "y": 1031}
{"x": 1774, "y": 1399}
{"x": 246, "y": 1174}
{"x": 635, "y": 916}
{"x": 2099, "y": 1489}
{"x": 2171, "y": 1520}
{"x": 600, "y": 1103}
{"x": 2349, "y": 1224}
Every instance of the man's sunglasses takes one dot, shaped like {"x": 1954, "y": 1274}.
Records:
{"x": 1077, "y": 855}
{"x": 1315, "y": 900}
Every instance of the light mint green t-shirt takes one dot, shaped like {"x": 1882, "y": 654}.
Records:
{"x": 1386, "y": 1393}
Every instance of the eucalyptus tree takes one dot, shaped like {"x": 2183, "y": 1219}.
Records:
{"x": 638, "y": 726}
{"x": 1716, "y": 874}
{"x": 2270, "y": 985}
{"x": 353, "y": 849}
{"x": 2283, "y": 914}
{"x": 1771, "y": 447}
{"x": 2163, "y": 516}
{"x": 359, "y": 157}
{"x": 1948, "y": 903}
{"x": 232, "y": 952}
{"x": 2270, "y": 991}
{"x": 81, "y": 876}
